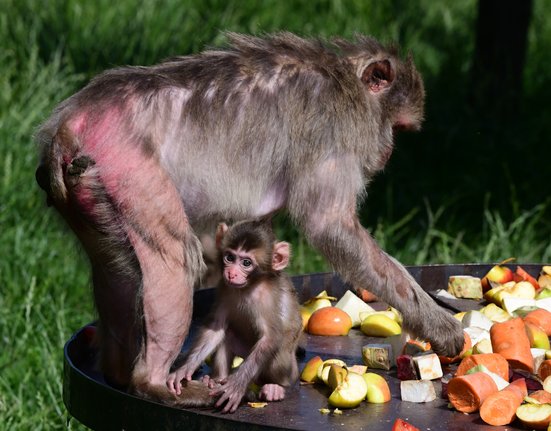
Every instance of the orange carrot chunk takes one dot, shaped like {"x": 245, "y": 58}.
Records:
{"x": 509, "y": 339}
{"x": 494, "y": 362}
{"x": 500, "y": 407}
{"x": 541, "y": 318}
{"x": 468, "y": 392}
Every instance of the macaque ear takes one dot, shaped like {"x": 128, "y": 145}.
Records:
{"x": 378, "y": 75}
{"x": 221, "y": 230}
{"x": 280, "y": 256}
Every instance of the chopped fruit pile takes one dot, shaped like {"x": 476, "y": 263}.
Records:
{"x": 503, "y": 373}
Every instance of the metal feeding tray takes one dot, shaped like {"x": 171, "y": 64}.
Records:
{"x": 99, "y": 406}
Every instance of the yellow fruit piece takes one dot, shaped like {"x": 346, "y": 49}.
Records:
{"x": 380, "y": 325}
{"x": 350, "y": 393}
{"x": 323, "y": 370}
{"x": 378, "y": 391}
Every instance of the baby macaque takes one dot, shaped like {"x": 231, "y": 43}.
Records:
{"x": 256, "y": 316}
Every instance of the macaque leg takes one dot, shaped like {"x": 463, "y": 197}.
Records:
{"x": 232, "y": 392}
{"x": 145, "y": 258}
{"x": 271, "y": 392}
{"x": 170, "y": 260}
{"x": 280, "y": 373}
{"x": 207, "y": 341}
{"x": 222, "y": 361}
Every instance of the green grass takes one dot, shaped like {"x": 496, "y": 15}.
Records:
{"x": 49, "y": 49}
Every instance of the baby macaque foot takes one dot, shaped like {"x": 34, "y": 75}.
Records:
{"x": 272, "y": 392}
{"x": 212, "y": 382}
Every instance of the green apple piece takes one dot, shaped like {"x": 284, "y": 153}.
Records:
{"x": 350, "y": 393}
{"x": 310, "y": 371}
{"x": 323, "y": 370}
{"x": 336, "y": 375}
{"x": 524, "y": 289}
{"x": 321, "y": 300}
{"x": 483, "y": 346}
{"x": 378, "y": 391}
{"x": 535, "y": 416}
{"x": 353, "y": 306}
{"x": 380, "y": 325}
{"x": 537, "y": 336}
{"x": 495, "y": 313}
{"x": 544, "y": 293}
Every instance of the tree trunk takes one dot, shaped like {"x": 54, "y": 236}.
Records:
{"x": 500, "y": 52}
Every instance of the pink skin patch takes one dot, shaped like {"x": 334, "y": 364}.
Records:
{"x": 97, "y": 137}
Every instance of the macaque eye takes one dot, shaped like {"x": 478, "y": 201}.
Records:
{"x": 247, "y": 262}
{"x": 230, "y": 258}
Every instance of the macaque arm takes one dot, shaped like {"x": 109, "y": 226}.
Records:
{"x": 208, "y": 339}
{"x": 235, "y": 388}
{"x": 326, "y": 209}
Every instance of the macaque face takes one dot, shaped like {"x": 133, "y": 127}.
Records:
{"x": 238, "y": 265}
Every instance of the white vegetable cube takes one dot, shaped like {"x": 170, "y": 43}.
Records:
{"x": 428, "y": 366}
{"x": 352, "y": 305}
{"x": 417, "y": 391}
{"x": 476, "y": 319}
{"x": 465, "y": 286}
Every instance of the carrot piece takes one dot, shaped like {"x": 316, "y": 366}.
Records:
{"x": 402, "y": 425}
{"x": 466, "y": 346}
{"x": 545, "y": 369}
{"x": 509, "y": 339}
{"x": 541, "y": 318}
{"x": 494, "y": 362}
{"x": 468, "y": 392}
{"x": 500, "y": 407}
{"x": 542, "y": 396}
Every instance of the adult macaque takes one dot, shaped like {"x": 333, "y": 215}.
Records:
{"x": 138, "y": 159}
{"x": 256, "y": 316}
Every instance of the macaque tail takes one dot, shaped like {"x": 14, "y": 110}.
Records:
{"x": 194, "y": 394}
{"x": 49, "y": 174}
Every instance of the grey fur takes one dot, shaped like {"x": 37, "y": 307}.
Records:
{"x": 240, "y": 132}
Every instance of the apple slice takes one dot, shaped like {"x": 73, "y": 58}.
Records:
{"x": 336, "y": 375}
{"x": 535, "y": 416}
{"x": 537, "y": 336}
{"x": 350, "y": 393}
{"x": 330, "y": 321}
{"x": 380, "y": 325}
{"x": 497, "y": 274}
{"x": 323, "y": 369}
{"x": 495, "y": 313}
{"x": 378, "y": 391}
{"x": 310, "y": 371}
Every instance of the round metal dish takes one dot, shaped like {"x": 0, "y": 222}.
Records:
{"x": 99, "y": 406}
